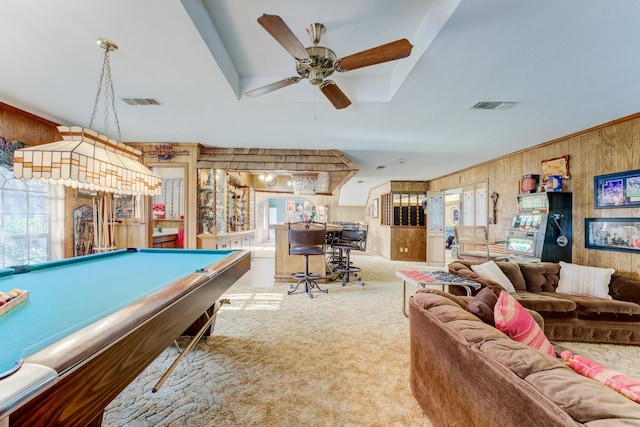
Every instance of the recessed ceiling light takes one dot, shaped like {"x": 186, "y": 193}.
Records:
{"x": 400, "y": 161}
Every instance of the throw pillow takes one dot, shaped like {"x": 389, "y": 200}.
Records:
{"x": 483, "y": 303}
{"x": 626, "y": 386}
{"x": 514, "y": 320}
{"x": 584, "y": 280}
{"x": 491, "y": 271}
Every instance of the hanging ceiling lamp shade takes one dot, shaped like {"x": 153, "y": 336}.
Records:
{"x": 86, "y": 159}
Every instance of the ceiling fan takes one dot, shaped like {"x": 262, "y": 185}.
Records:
{"x": 315, "y": 63}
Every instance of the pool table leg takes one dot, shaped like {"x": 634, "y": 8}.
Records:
{"x": 193, "y": 342}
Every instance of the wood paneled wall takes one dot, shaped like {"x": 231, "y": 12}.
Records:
{"x": 18, "y": 125}
{"x": 608, "y": 148}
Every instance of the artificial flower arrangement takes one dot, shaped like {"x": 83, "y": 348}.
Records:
{"x": 158, "y": 210}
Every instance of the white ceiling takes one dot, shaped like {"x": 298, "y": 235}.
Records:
{"x": 570, "y": 65}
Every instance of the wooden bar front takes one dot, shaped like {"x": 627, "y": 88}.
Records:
{"x": 288, "y": 264}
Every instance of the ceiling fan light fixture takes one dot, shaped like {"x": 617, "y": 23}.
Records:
{"x": 315, "y": 76}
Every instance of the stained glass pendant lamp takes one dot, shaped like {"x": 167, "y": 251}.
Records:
{"x": 86, "y": 159}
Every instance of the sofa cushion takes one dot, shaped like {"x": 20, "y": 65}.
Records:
{"x": 513, "y": 272}
{"x": 593, "y": 308}
{"x": 491, "y": 271}
{"x": 624, "y": 289}
{"x": 512, "y": 319}
{"x": 540, "y": 276}
{"x": 483, "y": 303}
{"x": 623, "y": 384}
{"x": 549, "y": 304}
{"x": 584, "y": 280}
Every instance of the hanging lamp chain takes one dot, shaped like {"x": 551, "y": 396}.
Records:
{"x": 109, "y": 97}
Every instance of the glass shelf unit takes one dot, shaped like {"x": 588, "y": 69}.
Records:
{"x": 223, "y": 203}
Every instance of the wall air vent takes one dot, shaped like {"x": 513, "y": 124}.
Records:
{"x": 141, "y": 101}
{"x": 493, "y": 105}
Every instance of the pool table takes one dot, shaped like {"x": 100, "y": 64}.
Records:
{"x": 92, "y": 324}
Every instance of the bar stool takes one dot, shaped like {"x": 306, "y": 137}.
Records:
{"x": 350, "y": 240}
{"x": 307, "y": 238}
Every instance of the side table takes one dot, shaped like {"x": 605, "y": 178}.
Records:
{"x": 421, "y": 279}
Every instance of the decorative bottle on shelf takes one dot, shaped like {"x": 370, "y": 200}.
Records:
{"x": 209, "y": 182}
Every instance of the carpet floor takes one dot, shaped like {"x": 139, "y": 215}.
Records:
{"x": 338, "y": 359}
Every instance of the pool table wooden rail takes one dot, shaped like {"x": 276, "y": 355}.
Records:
{"x": 96, "y": 363}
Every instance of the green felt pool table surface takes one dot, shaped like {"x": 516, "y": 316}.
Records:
{"x": 92, "y": 324}
{"x": 66, "y": 295}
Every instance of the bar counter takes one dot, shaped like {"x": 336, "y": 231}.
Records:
{"x": 288, "y": 264}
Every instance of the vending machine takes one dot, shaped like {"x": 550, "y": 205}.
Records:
{"x": 541, "y": 230}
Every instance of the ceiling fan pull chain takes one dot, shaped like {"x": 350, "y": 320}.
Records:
{"x": 315, "y": 105}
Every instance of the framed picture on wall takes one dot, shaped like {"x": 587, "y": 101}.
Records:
{"x": 617, "y": 190}
{"x": 375, "y": 207}
{"x": 612, "y": 234}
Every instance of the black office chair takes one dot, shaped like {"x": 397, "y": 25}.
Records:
{"x": 307, "y": 238}
{"x": 350, "y": 239}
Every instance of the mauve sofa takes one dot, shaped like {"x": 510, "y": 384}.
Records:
{"x": 466, "y": 373}
{"x": 569, "y": 317}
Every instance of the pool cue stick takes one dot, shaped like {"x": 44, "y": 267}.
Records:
{"x": 95, "y": 224}
{"x": 188, "y": 348}
{"x": 112, "y": 219}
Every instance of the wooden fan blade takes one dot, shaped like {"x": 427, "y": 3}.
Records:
{"x": 283, "y": 35}
{"x": 334, "y": 94}
{"x": 273, "y": 86}
{"x": 377, "y": 55}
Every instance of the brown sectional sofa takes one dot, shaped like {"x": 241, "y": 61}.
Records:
{"x": 466, "y": 373}
{"x": 569, "y": 317}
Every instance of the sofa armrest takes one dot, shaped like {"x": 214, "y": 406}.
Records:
{"x": 624, "y": 289}
{"x": 463, "y": 268}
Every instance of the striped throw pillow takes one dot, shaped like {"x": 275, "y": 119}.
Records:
{"x": 513, "y": 319}
{"x": 626, "y": 386}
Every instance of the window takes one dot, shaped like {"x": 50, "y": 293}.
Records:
{"x": 29, "y": 214}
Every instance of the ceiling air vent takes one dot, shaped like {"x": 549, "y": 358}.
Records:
{"x": 141, "y": 101}
{"x": 493, "y": 105}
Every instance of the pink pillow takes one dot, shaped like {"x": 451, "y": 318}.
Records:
{"x": 626, "y": 386}
{"x": 514, "y": 320}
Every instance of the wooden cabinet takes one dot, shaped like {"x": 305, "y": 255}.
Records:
{"x": 165, "y": 241}
{"x": 408, "y": 244}
{"x": 403, "y": 211}
{"x": 239, "y": 240}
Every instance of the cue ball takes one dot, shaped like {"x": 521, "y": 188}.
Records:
{"x": 4, "y": 297}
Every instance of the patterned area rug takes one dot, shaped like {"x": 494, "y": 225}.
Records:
{"x": 338, "y": 359}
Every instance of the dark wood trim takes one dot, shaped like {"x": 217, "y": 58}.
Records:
{"x": 28, "y": 115}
